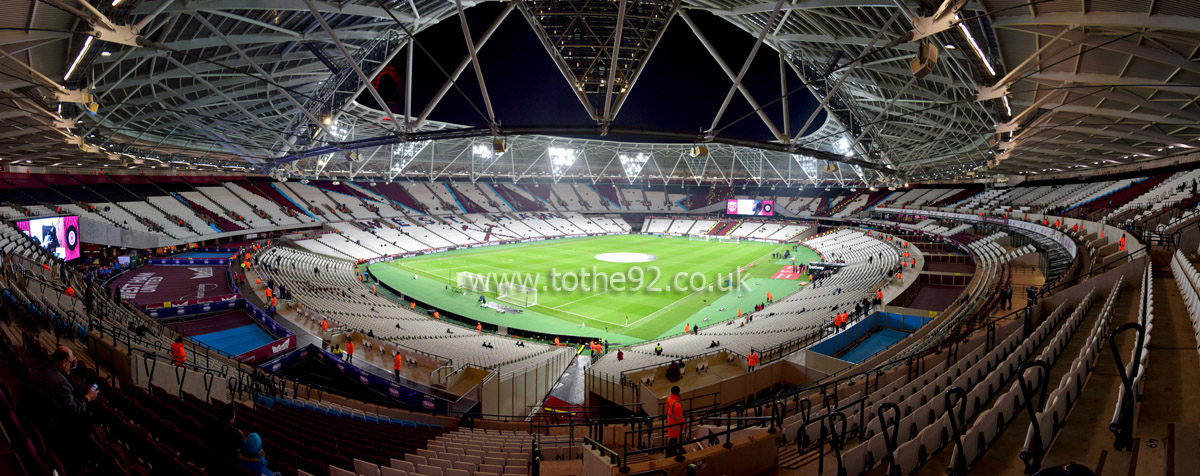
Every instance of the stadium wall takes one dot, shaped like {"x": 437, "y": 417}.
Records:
{"x": 147, "y": 372}
{"x": 847, "y": 338}
{"x": 611, "y": 388}
{"x": 514, "y": 393}
{"x": 150, "y": 371}
{"x": 92, "y": 231}
{"x": 726, "y": 391}
{"x": 1189, "y": 237}
{"x": 284, "y": 341}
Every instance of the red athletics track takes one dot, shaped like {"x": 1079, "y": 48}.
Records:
{"x": 161, "y": 283}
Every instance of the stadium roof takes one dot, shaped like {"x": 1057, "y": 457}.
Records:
{"x": 270, "y": 85}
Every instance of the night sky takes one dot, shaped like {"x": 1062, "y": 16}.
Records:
{"x": 680, "y": 89}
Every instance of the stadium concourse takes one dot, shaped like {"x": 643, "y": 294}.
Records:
{"x": 850, "y": 237}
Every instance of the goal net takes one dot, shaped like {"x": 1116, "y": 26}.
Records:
{"x": 727, "y": 239}
{"x": 473, "y": 282}
{"x": 699, "y": 237}
{"x": 521, "y": 295}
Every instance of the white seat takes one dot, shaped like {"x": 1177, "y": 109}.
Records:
{"x": 364, "y": 468}
{"x": 336, "y": 471}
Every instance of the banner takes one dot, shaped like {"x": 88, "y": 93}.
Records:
{"x": 176, "y": 309}
{"x": 265, "y": 352}
{"x": 189, "y": 261}
{"x": 192, "y": 302}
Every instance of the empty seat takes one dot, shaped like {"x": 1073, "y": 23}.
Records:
{"x": 364, "y": 468}
{"x": 441, "y": 463}
{"x": 415, "y": 459}
{"x": 467, "y": 466}
{"x": 429, "y": 470}
{"x": 406, "y": 466}
{"x": 498, "y": 461}
{"x": 336, "y": 471}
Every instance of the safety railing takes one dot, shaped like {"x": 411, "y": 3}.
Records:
{"x": 639, "y": 441}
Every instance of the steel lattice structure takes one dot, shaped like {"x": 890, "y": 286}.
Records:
{"x": 269, "y": 86}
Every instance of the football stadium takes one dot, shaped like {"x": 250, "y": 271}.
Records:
{"x": 618, "y": 238}
{"x": 675, "y": 282}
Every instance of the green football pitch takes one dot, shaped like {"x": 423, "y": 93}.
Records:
{"x": 580, "y": 294}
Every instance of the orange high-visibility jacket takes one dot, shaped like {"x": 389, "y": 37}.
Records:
{"x": 674, "y": 416}
{"x": 178, "y": 354}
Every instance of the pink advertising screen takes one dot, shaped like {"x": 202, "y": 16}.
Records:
{"x": 750, "y": 207}
{"x": 59, "y": 235}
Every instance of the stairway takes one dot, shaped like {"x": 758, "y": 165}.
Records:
{"x": 1172, "y": 378}
{"x": 842, "y": 204}
{"x": 723, "y": 227}
{"x": 957, "y": 197}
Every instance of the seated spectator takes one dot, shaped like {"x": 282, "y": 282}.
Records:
{"x": 49, "y": 403}
{"x": 223, "y": 440}
{"x": 673, "y": 372}
{"x": 251, "y": 456}
{"x": 140, "y": 329}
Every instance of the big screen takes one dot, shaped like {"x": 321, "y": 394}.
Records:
{"x": 750, "y": 207}
{"x": 59, "y": 235}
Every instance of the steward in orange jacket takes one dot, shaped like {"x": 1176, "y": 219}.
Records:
{"x": 178, "y": 353}
{"x": 674, "y": 421}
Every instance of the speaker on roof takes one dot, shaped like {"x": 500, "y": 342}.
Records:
{"x": 922, "y": 65}
{"x": 499, "y": 146}
{"x": 699, "y": 151}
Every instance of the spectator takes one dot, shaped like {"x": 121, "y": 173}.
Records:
{"x": 673, "y": 373}
{"x": 49, "y": 403}
{"x": 223, "y": 440}
{"x": 140, "y": 329}
{"x": 251, "y": 456}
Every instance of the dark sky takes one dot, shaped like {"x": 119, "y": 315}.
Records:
{"x": 681, "y": 88}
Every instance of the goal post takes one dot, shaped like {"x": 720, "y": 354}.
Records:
{"x": 473, "y": 282}
{"x": 728, "y": 239}
{"x": 518, "y": 294}
{"x": 699, "y": 237}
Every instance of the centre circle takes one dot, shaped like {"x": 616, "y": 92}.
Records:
{"x": 626, "y": 257}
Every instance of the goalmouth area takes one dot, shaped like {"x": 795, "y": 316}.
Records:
{"x": 590, "y": 286}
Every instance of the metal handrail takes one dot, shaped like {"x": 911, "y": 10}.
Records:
{"x": 631, "y": 436}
